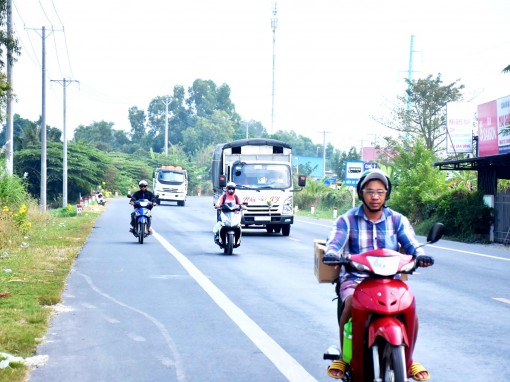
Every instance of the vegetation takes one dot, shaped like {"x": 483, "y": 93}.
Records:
{"x": 37, "y": 252}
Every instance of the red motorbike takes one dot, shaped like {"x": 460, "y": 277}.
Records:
{"x": 384, "y": 322}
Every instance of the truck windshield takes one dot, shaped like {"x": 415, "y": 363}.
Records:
{"x": 265, "y": 175}
{"x": 170, "y": 177}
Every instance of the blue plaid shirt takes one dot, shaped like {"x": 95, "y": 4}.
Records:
{"x": 354, "y": 234}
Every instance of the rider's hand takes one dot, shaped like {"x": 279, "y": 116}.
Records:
{"x": 424, "y": 261}
{"x": 332, "y": 259}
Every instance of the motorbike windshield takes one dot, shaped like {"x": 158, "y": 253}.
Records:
{"x": 257, "y": 176}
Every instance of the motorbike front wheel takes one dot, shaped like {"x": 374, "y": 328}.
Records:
{"x": 229, "y": 245}
{"x": 392, "y": 364}
{"x": 141, "y": 232}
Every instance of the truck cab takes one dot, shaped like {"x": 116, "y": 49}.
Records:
{"x": 170, "y": 184}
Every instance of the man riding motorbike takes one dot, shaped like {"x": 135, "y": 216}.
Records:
{"x": 370, "y": 226}
{"x": 143, "y": 193}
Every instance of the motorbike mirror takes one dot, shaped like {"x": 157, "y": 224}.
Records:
{"x": 129, "y": 196}
{"x": 435, "y": 233}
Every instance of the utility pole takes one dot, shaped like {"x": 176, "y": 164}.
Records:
{"x": 167, "y": 102}
{"x": 409, "y": 78}
{"x": 9, "y": 154}
{"x": 274, "y": 25}
{"x": 42, "y": 201}
{"x": 64, "y": 84}
{"x": 324, "y": 152}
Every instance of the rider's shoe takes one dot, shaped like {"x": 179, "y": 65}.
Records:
{"x": 131, "y": 230}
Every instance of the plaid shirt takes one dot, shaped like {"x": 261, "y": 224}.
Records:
{"x": 354, "y": 234}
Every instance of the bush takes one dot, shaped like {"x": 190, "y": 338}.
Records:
{"x": 464, "y": 214}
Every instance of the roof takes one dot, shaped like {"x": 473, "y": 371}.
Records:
{"x": 475, "y": 164}
{"x": 256, "y": 142}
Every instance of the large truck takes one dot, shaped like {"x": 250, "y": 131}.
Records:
{"x": 262, "y": 172}
{"x": 170, "y": 184}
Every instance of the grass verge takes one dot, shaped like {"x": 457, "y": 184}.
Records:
{"x": 33, "y": 273}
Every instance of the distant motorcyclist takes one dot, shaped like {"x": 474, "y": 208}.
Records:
{"x": 143, "y": 193}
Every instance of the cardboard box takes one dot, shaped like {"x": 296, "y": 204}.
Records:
{"x": 324, "y": 273}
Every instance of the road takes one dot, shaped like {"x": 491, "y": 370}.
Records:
{"x": 177, "y": 309}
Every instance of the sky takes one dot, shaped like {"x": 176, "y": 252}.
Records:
{"x": 338, "y": 65}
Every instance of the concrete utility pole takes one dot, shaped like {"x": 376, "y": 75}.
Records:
{"x": 64, "y": 84}
{"x": 43, "y": 125}
{"x": 274, "y": 25}
{"x": 409, "y": 78}
{"x": 324, "y": 152}
{"x": 42, "y": 201}
{"x": 167, "y": 102}
{"x": 9, "y": 154}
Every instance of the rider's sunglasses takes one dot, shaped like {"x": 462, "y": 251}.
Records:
{"x": 231, "y": 188}
{"x": 143, "y": 186}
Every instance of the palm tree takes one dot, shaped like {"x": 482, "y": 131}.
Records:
{"x": 507, "y": 69}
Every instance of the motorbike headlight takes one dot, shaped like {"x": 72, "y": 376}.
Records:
{"x": 287, "y": 206}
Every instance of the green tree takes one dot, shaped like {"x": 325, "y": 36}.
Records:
{"x": 9, "y": 43}
{"x": 507, "y": 69}
{"x": 217, "y": 129}
{"x": 416, "y": 181}
{"x": 137, "y": 121}
{"x": 98, "y": 134}
{"x": 425, "y": 119}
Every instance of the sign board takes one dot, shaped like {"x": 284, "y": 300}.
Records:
{"x": 353, "y": 171}
{"x": 330, "y": 181}
{"x": 459, "y": 123}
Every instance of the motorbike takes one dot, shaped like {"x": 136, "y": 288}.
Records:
{"x": 384, "y": 322}
{"x": 101, "y": 199}
{"x": 228, "y": 230}
{"x": 143, "y": 209}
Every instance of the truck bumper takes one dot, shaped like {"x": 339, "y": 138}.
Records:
{"x": 266, "y": 220}
{"x": 171, "y": 197}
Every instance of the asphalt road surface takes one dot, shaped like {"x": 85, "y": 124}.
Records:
{"x": 177, "y": 309}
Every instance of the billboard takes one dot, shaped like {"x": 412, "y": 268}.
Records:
{"x": 459, "y": 125}
{"x": 494, "y": 127}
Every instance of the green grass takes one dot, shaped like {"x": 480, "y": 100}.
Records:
{"x": 33, "y": 272}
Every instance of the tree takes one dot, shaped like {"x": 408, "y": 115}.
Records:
{"x": 137, "y": 121}
{"x": 10, "y": 43}
{"x": 416, "y": 181}
{"x": 98, "y": 134}
{"x": 507, "y": 69}
{"x": 217, "y": 129}
{"x": 425, "y": 119}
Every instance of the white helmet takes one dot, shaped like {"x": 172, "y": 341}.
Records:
{"x": 143, "y": 183}
{"x": 231, "y": 185}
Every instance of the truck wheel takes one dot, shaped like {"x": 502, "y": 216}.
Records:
{"x": 286, "y": 230}
{"x": 269, "y": 229}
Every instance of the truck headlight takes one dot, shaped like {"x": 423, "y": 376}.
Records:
{"x": 287, "y": 206}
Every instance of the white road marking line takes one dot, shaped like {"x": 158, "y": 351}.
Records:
{"x": 471, "y": 253}
{"x": 503, "y": 300}
{"x": 283, "y": 361}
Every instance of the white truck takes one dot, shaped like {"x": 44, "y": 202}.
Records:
{"x": 262, "y": 171}
{"x": 170, "y": 184}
